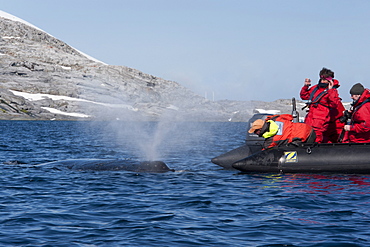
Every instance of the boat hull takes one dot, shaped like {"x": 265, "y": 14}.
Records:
{"x": 319, "y": 158}
{"x": 253, "y": 144}
{"x": 226, "y": 160}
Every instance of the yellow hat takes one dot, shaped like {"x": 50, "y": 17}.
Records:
{"x": 256, "y": 125}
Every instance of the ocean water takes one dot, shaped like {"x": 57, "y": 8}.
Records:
{"x": 199, "y": 204}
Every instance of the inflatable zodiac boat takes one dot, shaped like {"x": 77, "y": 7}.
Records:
{"x": 312, "y": 158}
{"x": 351, "y": 158}
{"x": 307, "y": 158}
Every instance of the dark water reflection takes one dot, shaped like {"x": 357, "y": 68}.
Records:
{"x": 198, "y": 205}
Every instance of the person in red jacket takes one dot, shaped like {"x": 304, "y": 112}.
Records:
{"x": 325, "y": 106}
{"x": 359, "y": 128}
{"x": 279, "y": 130}
{"x": 335, "y": 126}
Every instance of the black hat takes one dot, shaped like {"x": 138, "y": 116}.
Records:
{"x": 357, "y": 89}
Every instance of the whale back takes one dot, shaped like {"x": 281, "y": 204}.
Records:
{"x": 110, "y": 165}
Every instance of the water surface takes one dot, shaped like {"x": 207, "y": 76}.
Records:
{"x": 198, "y": 205}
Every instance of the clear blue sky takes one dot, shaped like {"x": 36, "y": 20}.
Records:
{"x": 236, "y": 49}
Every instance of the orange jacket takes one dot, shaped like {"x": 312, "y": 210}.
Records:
{"x": 288, "y": 131}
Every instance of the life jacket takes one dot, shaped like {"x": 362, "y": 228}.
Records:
{"x": 288, "y": 131}
{"x": 271, "y": 130}
{"x": 360, "y": 120}
{"x": 315, "y": 98}
{"x": 325, "y": 106}
{"x": 365, "y": 98}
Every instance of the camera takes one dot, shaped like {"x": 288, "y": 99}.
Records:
{"x": 346, "y": 115}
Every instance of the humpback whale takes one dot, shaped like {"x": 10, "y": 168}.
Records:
{"x": 108, "y": 165}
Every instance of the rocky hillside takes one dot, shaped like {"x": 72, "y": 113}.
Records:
{"x": 42, "y": 77}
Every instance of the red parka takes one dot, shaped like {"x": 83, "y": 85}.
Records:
{"x": 360, "y": 120}
{"x": 335, "y": 127}
{"x": 288, "y": 131}
{"x": 325, "y": 108}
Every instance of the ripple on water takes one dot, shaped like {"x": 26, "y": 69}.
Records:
{"x": 202, "y": 205}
